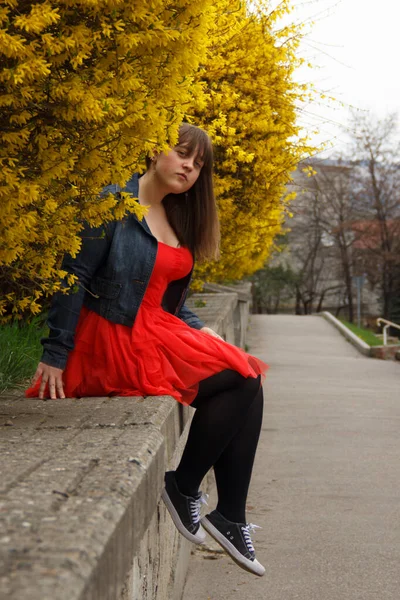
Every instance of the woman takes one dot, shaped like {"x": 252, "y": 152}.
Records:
{"x": 127, "y": 332}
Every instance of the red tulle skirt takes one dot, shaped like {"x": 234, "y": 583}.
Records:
{"x": 159, "y": 355}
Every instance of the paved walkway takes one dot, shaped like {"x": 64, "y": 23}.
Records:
{"x": 326, "y": 487}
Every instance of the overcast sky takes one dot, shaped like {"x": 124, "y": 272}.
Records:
{"x": 355, "y": 46}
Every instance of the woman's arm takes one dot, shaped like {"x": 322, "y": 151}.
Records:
{"x": 190, "y": 317}
{"x": 193, "y": 320}
{"x": 65, "y": 307}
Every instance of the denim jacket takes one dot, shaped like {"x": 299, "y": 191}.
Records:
{"x": 113, "y": 268}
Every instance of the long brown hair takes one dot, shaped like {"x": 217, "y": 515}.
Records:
{"x": 193, "y": 215}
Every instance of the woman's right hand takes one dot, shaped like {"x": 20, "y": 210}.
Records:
{"x": 51, "y": 376}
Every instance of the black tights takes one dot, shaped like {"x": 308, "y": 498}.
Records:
{"x": 224, "y": 434}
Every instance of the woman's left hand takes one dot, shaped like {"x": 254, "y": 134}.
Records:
{"x": 211, "y": 332}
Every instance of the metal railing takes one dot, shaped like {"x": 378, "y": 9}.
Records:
{"x": 385, "y": 328}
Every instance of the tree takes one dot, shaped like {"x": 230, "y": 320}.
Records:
{"x": 310, "y": 250}
{"x": 334, "y": 186}
{"x": 347, "y": 219}
{"x": 272, "y": 288}
{"x": 376, "y": 147}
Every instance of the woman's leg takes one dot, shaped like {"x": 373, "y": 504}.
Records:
{"x": 224, "y": 434}
{"x": 234, "y": 467}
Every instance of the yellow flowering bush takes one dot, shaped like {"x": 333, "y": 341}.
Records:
{"x": 89, "y": 87}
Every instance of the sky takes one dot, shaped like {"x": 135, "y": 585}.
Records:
{"x": 355, "y": 47}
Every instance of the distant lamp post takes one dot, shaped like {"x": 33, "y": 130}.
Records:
{"x": 359, "y": 281}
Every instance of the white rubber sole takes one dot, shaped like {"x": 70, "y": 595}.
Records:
{"x": 253, "y": 566}
{"x": 197, "y": 538}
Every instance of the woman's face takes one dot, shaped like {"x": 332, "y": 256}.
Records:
{"x": 178, "y": 170}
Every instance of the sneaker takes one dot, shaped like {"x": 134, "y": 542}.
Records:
{"x": 184, "y": 510}
{"x": 235, "y": 539}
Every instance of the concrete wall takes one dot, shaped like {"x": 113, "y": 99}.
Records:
{"x": 80, "y": 486}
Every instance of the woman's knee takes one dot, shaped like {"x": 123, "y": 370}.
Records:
{"x": 252, "y": 386}
{"x": 246, "y": 388}
{"x": 220, "y": 382}
{"x": 250, "y": 392}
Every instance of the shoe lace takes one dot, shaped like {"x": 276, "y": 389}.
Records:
{"x": 247, "y": 529}
{"x": 195, "y": 507}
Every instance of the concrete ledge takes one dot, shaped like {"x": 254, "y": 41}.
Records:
{"x": 242, "y": 289}
{"x": 361, "y": 346}
{"x": 80, "y": 485}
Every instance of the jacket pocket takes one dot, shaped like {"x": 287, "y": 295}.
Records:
{"x": 104, "y": 288}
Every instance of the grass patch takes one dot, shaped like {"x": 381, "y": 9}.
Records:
{"x": 20, "y": 352}
{"x": 365, "y": 334}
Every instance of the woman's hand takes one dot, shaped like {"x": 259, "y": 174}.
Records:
{"x": 211, "y": 332}
{"x": 53, "y": 377}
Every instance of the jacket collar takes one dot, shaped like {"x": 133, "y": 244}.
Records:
{"x": 132, "y": 186}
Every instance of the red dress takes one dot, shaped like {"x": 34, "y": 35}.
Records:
{"x": 159, "y": 355}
